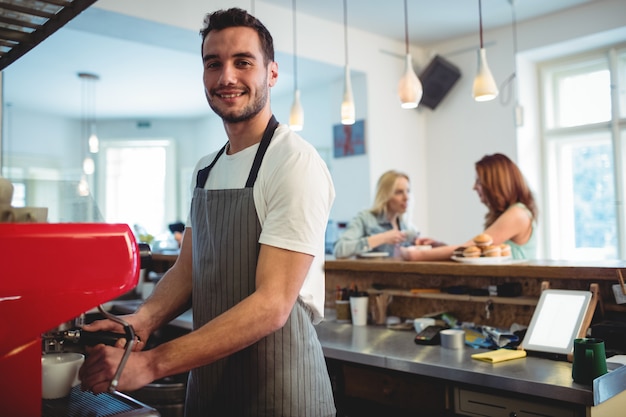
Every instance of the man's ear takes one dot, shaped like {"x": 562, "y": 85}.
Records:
{"x": 272, "y": 74}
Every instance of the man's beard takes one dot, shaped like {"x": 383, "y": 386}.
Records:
{"x": 246, "y": 113}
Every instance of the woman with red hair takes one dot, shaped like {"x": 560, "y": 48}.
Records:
{"x": 511, "y": 217}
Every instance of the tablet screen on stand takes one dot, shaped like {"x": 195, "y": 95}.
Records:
{"x": 556, "y": 322}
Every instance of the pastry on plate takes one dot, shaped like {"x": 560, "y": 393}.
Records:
{"x": 483, "y": 240}
{"x": 492, "y": 251}
{"x": 472, "y": 252}
{"x": 505, "y": 249}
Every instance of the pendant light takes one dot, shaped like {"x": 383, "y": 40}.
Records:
{"x": 89, "y": 109}
{"x": 409, "y": 88}
{"x": 296, "y": 115}
{"x": 88, "y": 122}
{"x": 485, "y": 87}
{"x": 347, "y": 104}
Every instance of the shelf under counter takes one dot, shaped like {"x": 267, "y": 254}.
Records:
{"x": 521, "y": 300}
{"x": 398, "y": 277}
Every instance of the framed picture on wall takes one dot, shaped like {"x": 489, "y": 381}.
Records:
{"x": 349, "y": 139}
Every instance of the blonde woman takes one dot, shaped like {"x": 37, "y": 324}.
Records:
{"x": 382, "y": 227}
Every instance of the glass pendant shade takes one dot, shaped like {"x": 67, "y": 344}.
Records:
{"x": 296, "y": 115}
{"x": 89, "y": 167}
{"x": 83, "y": 187}
{"x": 485, "y": 87}
{"x": 347, "y": 105}
{"x": 94, "y": 143}
{"x": 409, "y": 87}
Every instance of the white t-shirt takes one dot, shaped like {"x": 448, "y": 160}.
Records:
{"x": 293, "y": 194}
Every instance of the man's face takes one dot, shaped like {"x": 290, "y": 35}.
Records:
{"x": 236, "y": 79}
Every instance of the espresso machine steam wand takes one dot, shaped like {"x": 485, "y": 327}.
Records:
{"x": 130, "y": 341}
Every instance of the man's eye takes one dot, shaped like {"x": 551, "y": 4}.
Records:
{"x": 211, "y": 65}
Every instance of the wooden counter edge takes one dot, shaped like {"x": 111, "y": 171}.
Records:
{"x": 601, "y": 270}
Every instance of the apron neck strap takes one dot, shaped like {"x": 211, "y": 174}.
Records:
{"x": 260, "y": 153}
{"x": 203, "y": 174}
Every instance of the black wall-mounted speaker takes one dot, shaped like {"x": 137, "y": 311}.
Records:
{"x": 437, "y": 79}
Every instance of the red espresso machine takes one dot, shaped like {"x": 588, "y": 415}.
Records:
{"x": 51, "y": 273}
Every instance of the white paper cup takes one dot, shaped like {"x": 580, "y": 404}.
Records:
{"x": 452, "y": 338}
{"x": 59, "y": 373}
{"x": 421, "y": 323}
{"x": 358, "y": 309}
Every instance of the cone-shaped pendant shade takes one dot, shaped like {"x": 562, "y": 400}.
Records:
{"x": 409, "y": 87}
{"x": 296, "y": 116}
{"x": 347, "y": 105}
{"x": 485, "y": 87}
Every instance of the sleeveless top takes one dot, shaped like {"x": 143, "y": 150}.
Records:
{"x": 529, "y": 249}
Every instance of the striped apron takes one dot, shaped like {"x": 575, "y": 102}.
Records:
{"x": 283, "y": 374}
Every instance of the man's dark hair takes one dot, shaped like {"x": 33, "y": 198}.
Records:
{"x": 235, "y": 17}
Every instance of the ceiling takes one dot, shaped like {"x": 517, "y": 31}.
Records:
{"x": 150, "y": 70}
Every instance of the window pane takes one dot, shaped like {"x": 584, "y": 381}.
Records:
{"x": 586, "y": 198}
{"x": 135, "y": 186}
{"x": 583, "y": 98}
{"x": 594, "y": 193}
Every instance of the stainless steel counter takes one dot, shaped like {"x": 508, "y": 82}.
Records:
{"x": 396, "y": 350}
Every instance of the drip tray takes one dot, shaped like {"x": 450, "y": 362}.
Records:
{"x": 86, "y": 404}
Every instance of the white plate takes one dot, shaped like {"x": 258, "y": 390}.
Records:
{"x": 373, "y": 255}
{"x": 484, "y": 260}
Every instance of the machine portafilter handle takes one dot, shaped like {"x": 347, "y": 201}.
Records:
{"x": 84, "y": 338}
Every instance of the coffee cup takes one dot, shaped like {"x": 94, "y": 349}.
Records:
{"x": 358, "y": 310}
{"x": 589, "y": 360}
{"x": 59, "y": 373}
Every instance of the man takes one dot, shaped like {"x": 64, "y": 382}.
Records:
{"x": 251, "y": 261}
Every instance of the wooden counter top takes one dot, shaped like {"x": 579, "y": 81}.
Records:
{"x": 600, "y": 270}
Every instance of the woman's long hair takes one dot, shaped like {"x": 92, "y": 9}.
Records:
{"x": 385, "y": 189}
{"x": 503, "y": 185}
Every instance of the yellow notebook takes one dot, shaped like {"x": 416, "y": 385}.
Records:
{"x": 499, "y": 355}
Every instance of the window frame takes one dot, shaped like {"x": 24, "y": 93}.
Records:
{"x": 554, "y": 137}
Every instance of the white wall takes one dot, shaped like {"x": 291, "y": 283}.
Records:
{"x": 436, "y": 148}
{"x": 41, "y": 139}
{"x": 461, "y": 131}
{"x": 394, "y": 137}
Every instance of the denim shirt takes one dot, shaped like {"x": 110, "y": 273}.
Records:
{"x": 353, "y": 240}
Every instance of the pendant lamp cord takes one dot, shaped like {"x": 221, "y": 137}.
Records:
{"x": 480, "y": 22}
{"x": 406, "y": 27}
{"x": 295, "y": 53}
{"x": 345, "y": 28}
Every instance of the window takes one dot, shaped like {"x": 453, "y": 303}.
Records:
{"x": 137, "y": 184}
{"x": 585, "y": 167}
